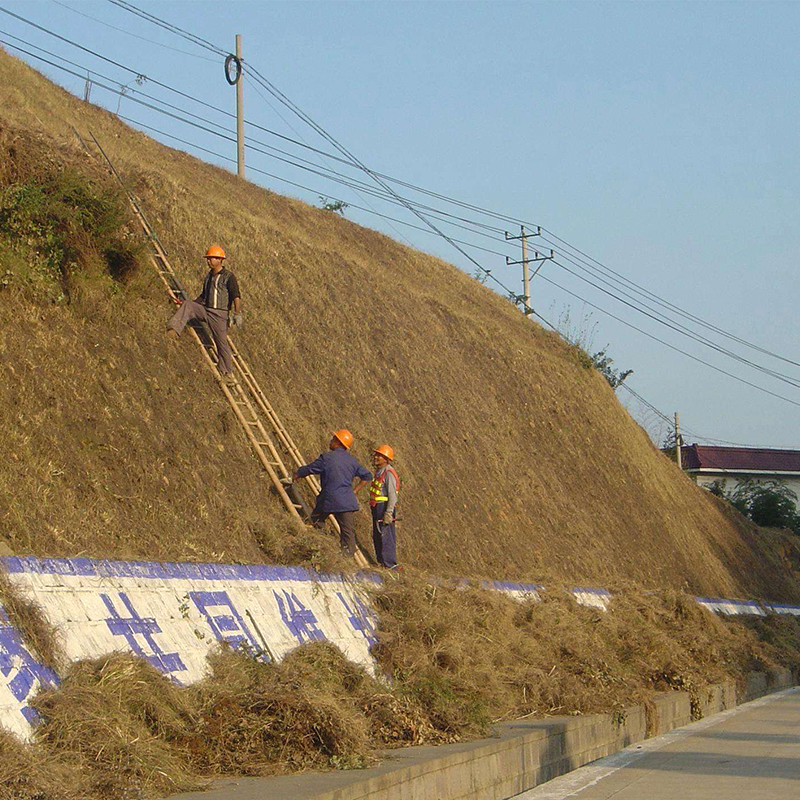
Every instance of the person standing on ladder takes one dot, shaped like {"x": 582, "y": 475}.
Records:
{"x": 219, "y": 299}
{"x": 383, "y": 494}
{"x": 336, "y": 469}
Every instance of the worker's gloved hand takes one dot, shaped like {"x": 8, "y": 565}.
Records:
{"x": 237, "y": 320}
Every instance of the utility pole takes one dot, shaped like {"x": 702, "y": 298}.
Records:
{"x": 239, "y": 110}
{"x": 87, "y": 89}
{"x": 525, "y": 297}
{"x": 526, "y": 289}
{"x": 678, "y": 440}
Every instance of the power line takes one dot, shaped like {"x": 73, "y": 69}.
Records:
{"x": 287, "y": 181}
{"x": 297, "y": 133}
{"x": 667, "y": 344}
{"x": 130, "y": 33}
{"x": 275, "y": 92}
{"x": 205, "y": 121}
{"x": 682, "y": 329}
{"x": 204, "y": 125}
{"x": 558, "y": 242}
{"x": 670, "y": 421}
{"x": 405, "y": 201}
{"x": 169, "y": 26}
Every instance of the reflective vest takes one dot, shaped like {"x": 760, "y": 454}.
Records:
{"x": 376, "y": 494}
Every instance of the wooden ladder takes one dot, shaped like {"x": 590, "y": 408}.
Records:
{"x": 271, "y": 441}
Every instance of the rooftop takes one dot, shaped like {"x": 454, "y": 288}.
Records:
{"x": 756, "y": 459}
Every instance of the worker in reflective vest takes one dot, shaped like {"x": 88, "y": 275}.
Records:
{"x": 383, "y": 494}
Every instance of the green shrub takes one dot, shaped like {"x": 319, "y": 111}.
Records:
{"x": 60, "y": 230}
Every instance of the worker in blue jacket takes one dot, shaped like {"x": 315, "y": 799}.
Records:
{"x": 336, "y": 469}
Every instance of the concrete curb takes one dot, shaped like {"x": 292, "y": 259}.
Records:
{"x": 525, "y": 753}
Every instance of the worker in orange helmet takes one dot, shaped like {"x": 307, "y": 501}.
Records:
{"x": 337, "y": 469}
{"x": 219, "y": 305}
{"x": 383, "y": 495}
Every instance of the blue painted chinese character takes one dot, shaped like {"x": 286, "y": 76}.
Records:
{"x": 362, "y": 619}
{"x": 133, "y": 626}
{"x": 298, "y": 619}
{"x": 20, "y": 669}
{"x": 225, "y": 621}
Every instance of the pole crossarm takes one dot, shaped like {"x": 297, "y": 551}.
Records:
{"x": 536, "y": 257}
{"x": 537, "y": 232}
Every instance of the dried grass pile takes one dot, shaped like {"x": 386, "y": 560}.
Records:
{"x": 29, "y": 772}
{"x": 122, "y": 723}
{"x": 262, "y": 718}
{"x": 117, "y": 728}
{"x": 314, "y": 710}
{"x": 470, "y": 657}
{"x": 29, "y": 619}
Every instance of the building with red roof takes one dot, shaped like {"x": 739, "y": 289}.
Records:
{"x": 737, "y": 464}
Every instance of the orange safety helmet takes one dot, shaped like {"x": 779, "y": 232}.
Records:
{"x": 345, "y": 437}
{"x": 385, "y": 451}
{"x": 215, "y": 251}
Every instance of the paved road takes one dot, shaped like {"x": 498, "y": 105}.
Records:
{"x": 748, "y": 753}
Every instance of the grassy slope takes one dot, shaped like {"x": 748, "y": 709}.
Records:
{"x": 517, "y": 461}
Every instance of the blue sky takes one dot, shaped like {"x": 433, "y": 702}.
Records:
{"x": 659, "y": 138}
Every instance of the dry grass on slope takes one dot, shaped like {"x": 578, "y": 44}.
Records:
{"x": 516, "y": 460}
{"x": 103, "y": 453}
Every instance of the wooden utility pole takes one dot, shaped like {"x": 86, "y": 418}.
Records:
{"x": 526, "y": 291}
{"x": 678, "y": 440}
{"x": 239, "y": 112}
{"x": 87, "y": 89}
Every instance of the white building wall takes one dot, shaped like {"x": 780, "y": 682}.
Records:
{"x": 732, "y": 480}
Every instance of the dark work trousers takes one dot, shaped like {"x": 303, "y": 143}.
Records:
{"x": 347, "y": 528}
{"x": 384, "y": 537}
{"x": 217, "y": 321}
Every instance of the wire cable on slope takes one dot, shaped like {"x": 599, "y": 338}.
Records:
{"x": 436, "y": 230}
{"x": 285, "y": 100}
{"x": 667, "y": 344}
{"x": 203, "y": 125}
{"x": 169, "y": 26}
{"x": 393, "y": 197}
{"x": 682, "y": 330}
{"x": 488, "y": 272}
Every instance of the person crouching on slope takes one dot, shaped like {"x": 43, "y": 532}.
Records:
{"x": 220, "y": 297}
{"x": 383, "y": 493}
{"x": 336, "y": 470}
